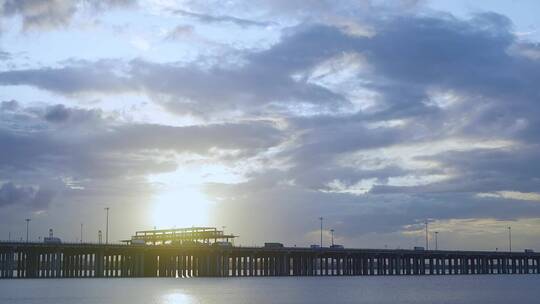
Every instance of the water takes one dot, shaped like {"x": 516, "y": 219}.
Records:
{"x": 521, "y": 289}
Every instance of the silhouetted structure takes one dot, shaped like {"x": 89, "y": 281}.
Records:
{"x": 207, "y": 252}
{"x": 39, "y": 260}
{"x": 180, "y": 236}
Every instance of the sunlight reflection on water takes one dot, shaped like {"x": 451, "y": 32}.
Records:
{"x": 177, "y": 298}
{"x": 472, "y": 289}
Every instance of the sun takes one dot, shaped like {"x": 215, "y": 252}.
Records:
{"x": 183, "y": 206}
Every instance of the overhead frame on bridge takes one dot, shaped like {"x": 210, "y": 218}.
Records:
{"x": 181, "y": 236}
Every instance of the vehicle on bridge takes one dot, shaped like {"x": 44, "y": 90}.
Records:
{"x": 273, "y": 245}
{"x": 223, "y": 244}
{"x": 51, "y": 239}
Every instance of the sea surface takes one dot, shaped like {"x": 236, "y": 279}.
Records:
{"x": 471, "y": 289}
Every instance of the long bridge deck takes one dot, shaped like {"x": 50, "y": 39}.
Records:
{"x": 38, "y": 260}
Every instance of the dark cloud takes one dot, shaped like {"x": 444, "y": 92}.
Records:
{"x": 57, "y": 113}
{"x": 79, "y": 78}
{"x": 5, "y": 55}
{"x": 10, "y": 105}
{"x": 483, "y": 170}
{"x": 35, "y": 197}
{"x": 207, "y": 18}
{"x": 186, "y": 89}
{"x": 302, "y": 11}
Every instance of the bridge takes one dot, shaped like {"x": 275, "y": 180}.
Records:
{"x": 40, "y": 260}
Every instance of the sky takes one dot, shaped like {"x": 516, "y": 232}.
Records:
{"x": 261, "y": 116}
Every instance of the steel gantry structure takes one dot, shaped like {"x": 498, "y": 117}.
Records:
{"x": 180, "y": 236}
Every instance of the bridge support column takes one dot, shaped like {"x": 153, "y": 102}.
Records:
{"x": 3, "y": 264}
{"x": 182, "y": 265}
{"x": 150, "y": 265}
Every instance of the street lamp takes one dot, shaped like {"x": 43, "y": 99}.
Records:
{"x": 509, "y": 239}
{"x": 27, "y": 225}
{"x": 321, "y": 219}
{"x": 107, "y": 227}
{"x": 332, "y": 231}
{"x": 436, "y": 240}
{"x": 427, "y": 243}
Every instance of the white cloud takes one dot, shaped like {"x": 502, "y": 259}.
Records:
{"x": 515, "y": 195}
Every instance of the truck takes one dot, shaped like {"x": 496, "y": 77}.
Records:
{"x": 273, "y": 245}
{"x": 222, "y": 244}
{"x": 52, "y": 240}
{"x": 315, "y": 246}
{"x": 336, "y": 246}
{"x": 529, "y": 251}
{"x": 419, "y": 248}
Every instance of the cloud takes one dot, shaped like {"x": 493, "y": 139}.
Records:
{"x": 72, "y": 149}
{"x": 44, "y": 14}
{"x": 413, "y": 63}
{"x": 417, "y": 118}
{"x": 301, "y": 11}
{"x": 367, "y": 216}
{"x": 74, "y": 79}
{"x": 279, "y": 78}
{"x": 4, "y": 55}
{"x": 480, "y": 171}
{"x": 180, "y": 32}
{"x": 207, "y": 18}
{"x": 57, "y": 113}
{"x": 405, "y": 61}
{"x": 184, "y": 89}
{"x": 12, "y": 194}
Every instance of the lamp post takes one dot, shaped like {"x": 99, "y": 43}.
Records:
{"x": 81, "y": 231}
{"x": 321, "y": 219}
{"x": 27, "y": 228}
{"x": 427, "y": 243}
{"x": 107, "y": 227}
{"x": 332, "y": 231}
{"x": 436, "y": 240}
{"x": 99, "y": 236}
{"x": 509, "y": 239}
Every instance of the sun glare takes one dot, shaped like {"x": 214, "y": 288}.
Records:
{"x": 181, "y": 207}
